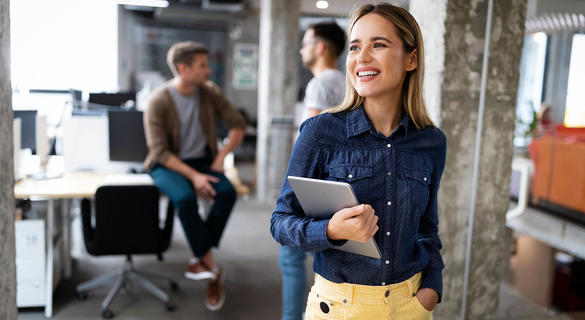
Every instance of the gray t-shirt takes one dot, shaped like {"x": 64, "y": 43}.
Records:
{"x": 193, "y": 139}
{"x": 324, "y": 91}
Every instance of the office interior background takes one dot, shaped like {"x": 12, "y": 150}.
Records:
{"x": 77, "y": 74}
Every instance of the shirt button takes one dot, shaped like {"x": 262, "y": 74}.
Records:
{"x": 425, "y": 178}
{"x": 388, "y": 145}
{"x": 351, "y": 176}
{"x": 383, "y": 283}
{"x": 389, "y": 203}
{"x": 388, "y": 173}
{"x": 387, "y": 262}
{"x": 387, "y": 233}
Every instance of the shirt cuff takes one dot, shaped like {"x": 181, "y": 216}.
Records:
{"x": 317, "y": 232}
{"x": 432, "y": 279}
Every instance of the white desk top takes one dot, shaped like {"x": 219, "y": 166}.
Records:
{"x": 82, "y": 184}
{"x": 75, "y": 184}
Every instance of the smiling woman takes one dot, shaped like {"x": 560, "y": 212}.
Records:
{"x": 393, "y": 157}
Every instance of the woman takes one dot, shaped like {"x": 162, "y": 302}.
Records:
{"x": 381, "y": 141}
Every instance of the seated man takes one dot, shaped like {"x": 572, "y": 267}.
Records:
{"x": 184, "y": 160}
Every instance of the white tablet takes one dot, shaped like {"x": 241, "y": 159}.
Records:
{"x": 322, "y": 198}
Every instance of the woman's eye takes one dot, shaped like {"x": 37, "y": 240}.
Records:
{"x": 353, "y": 48}
{"x": 379, "y": 45}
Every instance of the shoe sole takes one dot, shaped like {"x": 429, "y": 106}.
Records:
{"x": 206, "y": 275}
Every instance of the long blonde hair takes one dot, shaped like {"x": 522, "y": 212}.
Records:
{"x": 409, "y": 32}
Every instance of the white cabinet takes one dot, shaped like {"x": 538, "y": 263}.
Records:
{"x": 30, "y": 263}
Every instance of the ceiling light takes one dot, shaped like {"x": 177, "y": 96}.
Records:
{"x": 145, "y": 3}
{"x": 322, "y": 4}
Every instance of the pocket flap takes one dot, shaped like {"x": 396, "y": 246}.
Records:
{"x": 419, "y": 175}
{"x": 351, "y": 173}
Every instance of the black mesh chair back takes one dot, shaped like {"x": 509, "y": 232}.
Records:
{"x": 126, "y": 222}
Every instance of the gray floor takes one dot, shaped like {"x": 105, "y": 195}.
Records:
{"x": 248, "y": 255}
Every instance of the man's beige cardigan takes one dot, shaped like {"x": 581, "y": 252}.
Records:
{"x": 162, "y": 126}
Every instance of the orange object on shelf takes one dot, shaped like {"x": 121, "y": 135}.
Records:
{"x": 559, "y": 173}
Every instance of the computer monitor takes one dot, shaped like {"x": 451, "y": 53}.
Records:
{"x": 112, "y": 99}
{"x": 127, "y": 141}
{"x": 28, "y": 128}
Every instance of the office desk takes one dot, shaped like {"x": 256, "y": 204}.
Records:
{"x": 69, "y": 186}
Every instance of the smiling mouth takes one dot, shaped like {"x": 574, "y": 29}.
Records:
{"x": 368, "y": 73}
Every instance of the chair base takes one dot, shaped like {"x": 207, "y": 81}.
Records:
{"x": 126, "y": 278}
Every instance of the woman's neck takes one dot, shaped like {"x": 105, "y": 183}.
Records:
{"x": 384, "y": 113}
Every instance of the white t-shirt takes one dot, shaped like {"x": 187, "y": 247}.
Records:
{"x": 324, "y": 91}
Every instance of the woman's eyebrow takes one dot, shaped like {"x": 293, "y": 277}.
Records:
{"x": 372, "y": 39}
{"x": 381, "y": 38}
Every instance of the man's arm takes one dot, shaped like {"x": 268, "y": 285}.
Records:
{"x": 235, "y": 137}
{"x": 201, "y": 182}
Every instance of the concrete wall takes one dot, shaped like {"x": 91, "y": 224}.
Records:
{"x": 460, "y": 82}
{"x": 8, "y": 308}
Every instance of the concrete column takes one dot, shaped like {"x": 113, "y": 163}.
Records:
{"x": 279, "y": 51}
{"x": 475, "y": 186}
{"x": 8, "y": 308}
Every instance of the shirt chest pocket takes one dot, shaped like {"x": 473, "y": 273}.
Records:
{"x": 418, "y": 181}
{"x": 358, "y": 176}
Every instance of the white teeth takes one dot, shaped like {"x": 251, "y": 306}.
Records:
{"x": 367, "y": 73}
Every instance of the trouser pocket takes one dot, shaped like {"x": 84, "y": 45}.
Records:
{"x": 320, "y": 307}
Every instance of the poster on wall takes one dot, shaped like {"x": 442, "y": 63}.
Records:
{"x": 245, "y": 75}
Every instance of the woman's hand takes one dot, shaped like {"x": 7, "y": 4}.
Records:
{"x": 357, "y": 223}
{"x": 428, "y": 298}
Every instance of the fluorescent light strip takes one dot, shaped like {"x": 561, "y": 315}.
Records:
{"x": 145, "y": 3}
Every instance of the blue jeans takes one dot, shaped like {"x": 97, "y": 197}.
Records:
{"x": 201, "y": 235}
{"x": 292, "y": 266}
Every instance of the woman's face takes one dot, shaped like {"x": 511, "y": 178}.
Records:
{"x": 377, "y": 62}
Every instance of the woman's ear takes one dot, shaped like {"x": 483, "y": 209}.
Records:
{"x": 412, "y": 63}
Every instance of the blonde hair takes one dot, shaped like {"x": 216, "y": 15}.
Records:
{"x": 409, "y": 32}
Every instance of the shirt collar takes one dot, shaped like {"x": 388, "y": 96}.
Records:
{"x": 358, "y": 122}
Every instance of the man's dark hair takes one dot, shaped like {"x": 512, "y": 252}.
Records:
{"x": 184, "y": 52}
{"x": 332, "y": 34}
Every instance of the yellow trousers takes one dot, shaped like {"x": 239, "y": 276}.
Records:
{"x": 330, "y": 300}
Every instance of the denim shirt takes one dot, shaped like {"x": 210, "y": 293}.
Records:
{"x": 398, "y": 176}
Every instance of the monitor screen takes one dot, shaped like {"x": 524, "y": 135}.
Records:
{"x": 127, "y": 141}
{"x": 112, "y": 99}
{"x": 28, "y": 128}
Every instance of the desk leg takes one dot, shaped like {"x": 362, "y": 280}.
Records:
{"x": 50, "y": 260}
{"x": 66, "y": 214}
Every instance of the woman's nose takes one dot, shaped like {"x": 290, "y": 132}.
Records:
{"x": 364, "y": 55}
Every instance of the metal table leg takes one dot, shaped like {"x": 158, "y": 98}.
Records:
{"x": 49, "y": 262}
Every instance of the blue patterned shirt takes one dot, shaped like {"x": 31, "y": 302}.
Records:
{"x": 398, "y": 176}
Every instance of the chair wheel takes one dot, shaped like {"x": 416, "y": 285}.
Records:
{"x": 107, "y": 314}
{"x": 80, "y": 295}
{"x": 174, "y": 286}
{"x": 171, "y": 307}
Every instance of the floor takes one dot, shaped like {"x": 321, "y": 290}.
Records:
{"x": 248, "y": 255}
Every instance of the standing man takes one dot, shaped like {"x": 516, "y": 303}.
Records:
{"x": 322, "y": 45}
{"x": 184, "y": 160}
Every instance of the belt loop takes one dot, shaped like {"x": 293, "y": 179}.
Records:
{"x": 410, "y": 286}
{"x": 349, "y": 295}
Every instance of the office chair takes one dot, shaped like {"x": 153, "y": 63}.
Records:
{"x": 126, "y": 223}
